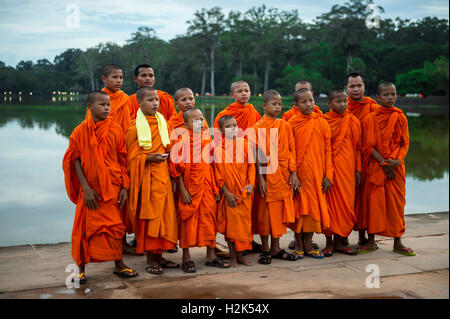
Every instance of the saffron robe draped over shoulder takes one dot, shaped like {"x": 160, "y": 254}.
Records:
{"x": 197, "y": 220}
{"x": 150, "y": 203}
{"x": 362, "y": 108}
{"x": 235, "y": 168}
{"x": 346, "y": 156}
{"x": 385, "y": 130}
{"x": 245, "y": 115}
{"x": 313, "y": 161}
{"x": 166, "y": 105}
{"x": 275, "y": 211}
{"x": 97, "y": 234}
{"x": 177, "y": 121}
{"x": 119, "y": 109}
{"x": 294, "y": 111}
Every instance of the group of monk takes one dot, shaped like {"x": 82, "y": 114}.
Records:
{"x": 136, "y": 166}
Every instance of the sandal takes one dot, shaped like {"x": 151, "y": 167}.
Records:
{"x": 222, "y": 254}
{"x": 404, "y": 251}
{"x": 81, "y": 277}
{"x": 300, "y": 254}
{"x": 284, "y": 255}
{"x": 346, "y": 251}
{"x": 265, "y": 258}
{"x": 314, "y": 254}
{"x": 188, "y": 266}
{"x": 327, "y": 252}
{"x": 174, "y": 250}
{"x": 126, "y": 273}
{"x": 364, "y": 249}
{"x": 154, "y": 270}
{"x": 169, "y": 264}
{"x": 217, "y": 262}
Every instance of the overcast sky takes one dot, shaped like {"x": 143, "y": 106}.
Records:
{"x": 32, "y": 30}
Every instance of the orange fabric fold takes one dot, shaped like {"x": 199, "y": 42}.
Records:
{"x": 150, "y": 201}
{"x": 236, "y": 171}
{"x": 313, "y": 161}
{"x": 119, "y": 109}
{"x": 383, "y": 199}
{"x": 245, "y": 115}
{"x": 166, "y": 105}
{"x": 97, "y": 234}
{"x": 362, "y": 108}
{"x": 294, "y": 111}
{"x": 346, "y": 158}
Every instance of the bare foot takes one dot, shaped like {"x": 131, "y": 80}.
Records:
{"x": 242, "y": 260}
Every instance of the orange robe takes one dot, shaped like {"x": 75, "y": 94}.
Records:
{"x": 385, "y": 130}
{"x": 294, "y": 111}
{"x": 236, "y": 170}
{"x": 150, "y": 203}
{"x": 119, "y": 110}
{"x": 177, "y": 121}
{"x": 275, "y": 211}
{"x": 166, "y": 105}
{"x": 245, "y": 115}
{"x": 97, "y": 234}
{"x": 346, "y": 155}
{"x": 313, "y": 160}
{"x": 197, "y": 220}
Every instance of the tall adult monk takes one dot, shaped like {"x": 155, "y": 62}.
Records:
{"x": 96, "y": 180}
{"x": 385, "y": 146}
{"x": 197, "y": 206}
{"x": 273, "y": 204}
{"x": 145, "y": 76}
{"x": 346, "y": 158}
{"x": 151, "y": 206}
{"x": 360, "y": 106}
{"x": 315, "y": 171}
{"x": 294, "y": 110}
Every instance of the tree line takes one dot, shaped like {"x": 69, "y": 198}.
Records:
{"x": 264, "y": 46}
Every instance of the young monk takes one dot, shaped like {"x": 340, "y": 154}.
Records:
{"x": 360, "y": 106}
{"x": 151, "y": 204}
{"x": 346, "y": 158}
{"x": 385, "y": 146}
{"x": 96, "y": 180}
{"x": 273, "y": 203}
{"x": 314, "y": 170}
{"x": 144, "y": 76}
{"x": 234, "y": 169}
{"x": 300, "y": 85}
{"x": 197, "y": 206}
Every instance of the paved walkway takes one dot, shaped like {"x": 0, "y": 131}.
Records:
{"x": 39, "y": 272}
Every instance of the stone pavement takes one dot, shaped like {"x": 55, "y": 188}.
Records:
{"x": 39, "y": 272}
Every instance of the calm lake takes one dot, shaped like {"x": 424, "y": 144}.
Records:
{"x": 35, "y": 209}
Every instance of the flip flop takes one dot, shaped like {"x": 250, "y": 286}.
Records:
{"x": 347, "y": 251}
{"x": 82, "y": 277}
{"x": 188, "y": 266}
{"x": 327, "y": 252}
{"x": 314, "y": 254}
{"x": 361, "y": 250}
{"x": 282, "y": 253}
{"x": 265, "y": 258}
{"x": 217, "y": 262}
{"x": 123, "y": 273}
{"x": 166, "y": 264}
{"x": 223, "y": 254}
{"x": 404, "y": 251}
{"x": 154, "y": 270}
{"x": 300, "y": 254}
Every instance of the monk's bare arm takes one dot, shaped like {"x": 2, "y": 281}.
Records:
{"x": 229, "y": 196}
{"x": 185, "y": 196}
{"x": 90, "y": 196}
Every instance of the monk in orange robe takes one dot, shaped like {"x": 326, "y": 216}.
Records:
{"x": 144, "y": 76}
{"x": 312, "y": 136}
{"x": 346, "y": 156}
{"x": 96, "y": 180}
{"x": 191, "y": 165}
{"x": 184, "y": 100}
{"x": 294, "y": 111}
{"x": 151, "y": 204}
{"x": 384, "y": 148}
{"x": 360, "y": 106}
{"x": 244, "y": 112}
{"x": 234, "y": 169}
{"x": 277, "y": 178}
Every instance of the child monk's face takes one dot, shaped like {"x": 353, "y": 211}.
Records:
{"x": 114, "y": 80}
{"x": 195, "y": 121}
{"x": 305, "y": 103}
{"x": 99, "y": 108}
{"x": 150, "y": 103}
{"x": 146, "y": 77}
{"x": 355, "y": 88}
{"x": 387, "y": 96}
{"x": 229, "y": 128}
{"x": 273, "y": 107}
{"x": 185, "y": 100}
{"x": 241, "y": 93}
{"x": 339, "y": 102}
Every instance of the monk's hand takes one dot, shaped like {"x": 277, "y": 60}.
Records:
{"x": 185, "y": 196}
{"x": 294, "y": 181}
{"x": 391, "y": 163}
{"x": 326, "y": 185}
{"x": 262, "y": 185}
{"x": 123, "y": 197}
{"x": 249, "y": 188}
{"x": 231, "y": 198}
{"x": 357, "y": 178}
{"x": 91, "y": 198}
{"x": 156, "y": 158}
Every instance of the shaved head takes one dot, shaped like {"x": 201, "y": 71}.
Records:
{"x": 333, "y": 92}
{"x": 109, "y": 68}
{"x": 235, "y": 84}
{"x": 384, "y": 85}
{"x": 93, "y": 96}
{"x": 142, "y": 92}
{"x": 300, "y": 92}
{"x": 139, "y": 67}
{"x": 188, "y": 113}
{"x": 223, "y": 119}
{"x": 303, "y": 84}
{"x": 177, "y": 94}
{"x": 270, "y": 94}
